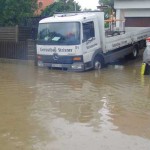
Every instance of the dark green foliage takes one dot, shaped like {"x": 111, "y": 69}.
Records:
{"x": 13, "y": 12}
{"x": 61, "y": 6}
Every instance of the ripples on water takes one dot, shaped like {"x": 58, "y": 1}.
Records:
{"x": 52, "y": 109}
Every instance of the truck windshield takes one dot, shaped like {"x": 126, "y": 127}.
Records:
{"x": 59, "y": 33}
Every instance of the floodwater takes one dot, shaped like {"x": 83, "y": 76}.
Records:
{"x": 43, "y": 109}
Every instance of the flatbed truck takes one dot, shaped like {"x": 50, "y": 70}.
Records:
{"x": 77, "y": 41}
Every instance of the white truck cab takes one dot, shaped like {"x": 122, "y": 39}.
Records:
{"x": 76, "y": 41}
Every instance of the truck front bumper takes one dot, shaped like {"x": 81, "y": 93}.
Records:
{"x": 77, "y": 66}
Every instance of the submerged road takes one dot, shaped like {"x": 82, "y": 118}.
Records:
{"x": 43, "y": 109}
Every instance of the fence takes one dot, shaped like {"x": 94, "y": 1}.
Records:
{"x": 16, "y": 43}
{"x": 17, "y": 33}
{"x": 24, "y": 50}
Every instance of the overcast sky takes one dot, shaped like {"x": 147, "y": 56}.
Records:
{"x": 89, "y": 4}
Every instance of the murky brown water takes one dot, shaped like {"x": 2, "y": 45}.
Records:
{"x": 44, "y": 109}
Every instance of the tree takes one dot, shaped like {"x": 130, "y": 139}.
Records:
{"x": 107, "y": 2}
{"x": 110, "y": 9}
{"x": 13, "y": 12}
{"x": 61, "y": 6}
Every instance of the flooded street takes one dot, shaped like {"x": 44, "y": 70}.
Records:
{"x": 43, "y": 109}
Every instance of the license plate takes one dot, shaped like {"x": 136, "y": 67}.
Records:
{"x": 57, "y": 65}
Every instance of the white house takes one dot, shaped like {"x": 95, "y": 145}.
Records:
{"x": 135, "y": 12}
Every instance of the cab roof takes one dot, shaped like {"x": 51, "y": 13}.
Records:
{"x": 69, "y": 17}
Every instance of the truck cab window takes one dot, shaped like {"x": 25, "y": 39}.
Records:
{"x": 60, "y": 33}
{"x": 88, "y": 30}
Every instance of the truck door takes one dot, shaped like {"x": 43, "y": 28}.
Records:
{"x": 90, "y": 39}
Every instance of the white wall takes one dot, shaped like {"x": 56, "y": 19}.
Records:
{"x": 130, "y": 4}
{"x": 131, "y": 8}
{"x": 137, "y": 12}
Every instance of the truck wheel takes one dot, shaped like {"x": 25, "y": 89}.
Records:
{"x": 98, "y": 63}
{"x": 142, "y": 44}
{"x": 134, "y": 53}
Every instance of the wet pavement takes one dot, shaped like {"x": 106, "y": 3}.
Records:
{"x": 43, "y": 109}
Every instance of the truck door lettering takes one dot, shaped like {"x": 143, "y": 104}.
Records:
{"x": 91, "y": 46}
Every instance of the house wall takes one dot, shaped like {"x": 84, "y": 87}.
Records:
{"x": 42, "y": 4}
{"x": 135, "y": 12}
{"x": 132, "y": 4}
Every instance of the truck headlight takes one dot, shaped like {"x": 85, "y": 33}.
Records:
{"x": 77, "y": 66}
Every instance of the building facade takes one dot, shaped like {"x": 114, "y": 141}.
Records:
{"x": 135, "y": 12}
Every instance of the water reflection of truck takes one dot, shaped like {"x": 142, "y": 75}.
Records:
{"x": 77, "y": 41}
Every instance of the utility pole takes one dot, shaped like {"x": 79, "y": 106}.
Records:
{"x": 75, "y": 6}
